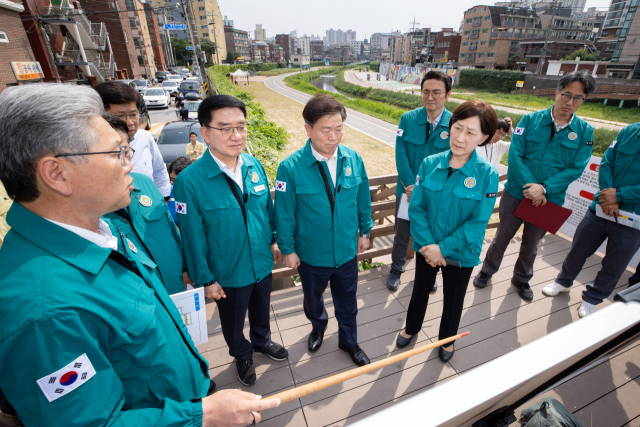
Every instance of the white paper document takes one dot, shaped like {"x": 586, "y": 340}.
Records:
{"x": 403, "y": 209}
{"x": 193, "y": 312}
{"x": 628, "y": 219}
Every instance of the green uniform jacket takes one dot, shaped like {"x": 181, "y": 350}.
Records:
{"x": 454, "y": 212}
{"x": 620, "y": 169}
{"x": 412, "y": 146}
{"x": 62, "y": 297}
{"x": 555, "y": 164}
{"x": 304, "y": 221}
{"x": 153, "y": 230}
{"x": 217, "y": 245}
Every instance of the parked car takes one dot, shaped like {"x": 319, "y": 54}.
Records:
{"x": 174, "y": 138}
{"x": 183, "y": 75}
{"x": 161, "y": 76}
{"x": 175, "y": 77}
{"x": 142, "y": 85}
{"x": 157, "y": 97}
{"x": 185, "y": 71}
{"x": 192, "y": 103}
{"x": 171, "y": 86}
{"x": 190, "y": 86}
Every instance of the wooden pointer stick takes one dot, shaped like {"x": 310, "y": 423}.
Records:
{"x": 298, "y": 392}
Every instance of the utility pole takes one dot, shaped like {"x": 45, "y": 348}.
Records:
{"x": 540, "y": 66}
{"x": 411, "y": 44}
{"x": 167, "y": 35}
{"x": 195, "y": 51}
{"x": 215, "y": 39}
{"x": 45, "y": 38}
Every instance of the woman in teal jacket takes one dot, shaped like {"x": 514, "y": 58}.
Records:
{"x": 452, "y": 202}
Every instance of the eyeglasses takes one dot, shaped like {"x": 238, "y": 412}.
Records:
{"x": 567, "y": 98}
{"x": 121, "y": 154}
{"x": 242, "y": 130}
{"x": 436, "y": 94}
{"x": 126, "y": 117}
{"x": 128, "y": 150}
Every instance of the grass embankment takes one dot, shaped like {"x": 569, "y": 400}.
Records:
{"x": 276, "y": 72}
{"x": 266, "y": 140}
{"x": 593, "y": 109}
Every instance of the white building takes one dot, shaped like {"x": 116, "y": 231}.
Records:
{"x": 356, "y": 47}
{"x": 300, "y": 61}
{"x": 260, "y": 33}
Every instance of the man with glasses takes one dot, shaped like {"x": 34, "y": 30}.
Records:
{"x": 549, "y": 150}
{"x": 225, "y": 212}
{"x": 88, "y": 335}
{"x": 123, "y": 101}
{"x": 421, "y": 133}
{"x": 148, "y": 223}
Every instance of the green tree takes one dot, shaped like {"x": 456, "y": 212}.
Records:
{"x": 180, "y": 48}
{"x": 208, "y": 46}
{"x": 232, "y": 55}
{"x": 584, "y": 55}
{"x": 515, "y": 58}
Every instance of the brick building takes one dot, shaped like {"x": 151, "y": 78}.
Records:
{"x": 154, "y": 36}
{"x": 261, "y": 52}
{"x": 317, "y": 53}
{"x": 276, "y": 52}
{"x": 491, "y": 35}
{"x": 284, "y": 40}
{"x": 238, "y": 41}
{"x": 14, "y": 44}
{"x": 446, "y": 46}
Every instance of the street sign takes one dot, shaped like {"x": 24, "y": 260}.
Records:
{"x": 189, "y": 47}
{"x": 175, "y": 27}
{"x": 520, "y": 83}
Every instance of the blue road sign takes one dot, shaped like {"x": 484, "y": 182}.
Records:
{"x": 189, "y": 47}
{"x": 175, "y": 27}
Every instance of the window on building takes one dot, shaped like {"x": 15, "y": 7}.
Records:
{"x": 136, "y": 42}
{"x": 466, "y": 33}
{"x": 129, "y": 4}
{"x": 140, "y": 60}
{"x": 3, "y": 37}
{"x": 203, "y": 17}
{"x": 126, "y": 38}
{"x": 201, "y": 8}
{"x": 482, "y": 9}
{"x": 132, "y": 23}
{"x": 469, "y": 21}
{"x": 485, "y": 30}
{"x": 492, "y": 42}
{"x": 463, "y": 55}
{"x": 465, "y": 43}
{"x": 514, "y": 45}
{"x": 489, "y": 54}
{"x": 205, "y": 34}
{"x": 487, "y": 18}
{"x": 482, "y": 43}
{"x": 480, "y": 55}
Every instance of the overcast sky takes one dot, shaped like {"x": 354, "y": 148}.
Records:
{"x": 365, "y": 17}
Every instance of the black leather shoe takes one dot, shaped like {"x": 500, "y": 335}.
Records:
{"x": 212, "y": 388}
{"x": 402, "y": 342}
{"x": 356, "y": 353}
{"x": 246, "y": 372}
{"x": 445, "y": 355}
{"x": 273, "y": 350}
{"x": 315, "y": 340}
{"x": 393, "y": 281}
{"x": 524, "y": 290}
{"x": 435, "y": 288}
{"x": 481, "y": 280}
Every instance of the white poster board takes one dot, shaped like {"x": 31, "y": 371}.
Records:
{"x": 191, "y": 306}
{"x": 579, "y": 197}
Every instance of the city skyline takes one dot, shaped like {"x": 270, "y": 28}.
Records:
{"x": 287, "y": 16}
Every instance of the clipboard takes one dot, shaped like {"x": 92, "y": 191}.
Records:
{"x": 549, "y": 217}
{"x": 403, "y": 209}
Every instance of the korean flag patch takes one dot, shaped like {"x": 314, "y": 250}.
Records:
{"x": 281, "y": 186}
{"x": 67, "y": 379}
{"x": 399, "y": 132}
{"x": 613, "y": 144}
{"x": 181, "y": 208}
{"x": 519, "y": 131}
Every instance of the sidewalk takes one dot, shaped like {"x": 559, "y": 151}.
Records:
{"x": 360, "y": 79}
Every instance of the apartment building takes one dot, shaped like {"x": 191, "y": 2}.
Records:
{"x": 284, "y": 41}
{"x": 446, "y": 46}
{"x": 317, "y": 50}
{"x": 15, "y": 48}
{"x": 154, "y": 36}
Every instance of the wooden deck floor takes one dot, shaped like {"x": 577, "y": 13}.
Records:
{"x": 499, "y": 322}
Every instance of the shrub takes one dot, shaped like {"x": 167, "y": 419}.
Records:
{"x": 497, "y": 80}
{"x": 374, "y": 66}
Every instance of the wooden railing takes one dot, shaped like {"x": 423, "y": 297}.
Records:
{"x": 383, "y": 210}
{"x": 602, "y": 91}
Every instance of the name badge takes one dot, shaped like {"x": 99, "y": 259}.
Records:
{"x": 258, "y": 187}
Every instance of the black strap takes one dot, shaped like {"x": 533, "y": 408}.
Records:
{"x": 553, "y": 131}
{"x": 428, "y": 132}
{"x": 234, "y": 190}
{"x": 327, "y": 187}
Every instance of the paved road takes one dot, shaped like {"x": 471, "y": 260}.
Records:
{"x": 375, "y": 128}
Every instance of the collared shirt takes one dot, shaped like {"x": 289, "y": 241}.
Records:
{"x": 437, "y": 120}
{"x": 560, "y": 127}
{"x": 104, "y": 239}
{"x": 148, "y": 161}
{"x": 235, "y": 176}
{"x": 332, "y": 163}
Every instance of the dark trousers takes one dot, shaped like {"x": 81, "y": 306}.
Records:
{"x": 344, "y": 283}
{"x": 622, "y": 245}
{"x": 400, "y": 242}
{"x": 509, "y": 225}
{"x": 257, "y": 299}
{"x": 455, "y": 281}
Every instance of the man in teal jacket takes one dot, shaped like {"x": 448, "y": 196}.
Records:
{"x": 228, "y": 232}
{"x": 322, "y": 202}
{"x": 549, "y": 150}
{"x": 89, "y": 334}
{"x": 619, "y": 179}
{"x": 148, "y": 223}
{"x": 421, "y": 133}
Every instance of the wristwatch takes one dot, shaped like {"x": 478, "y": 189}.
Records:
{"x": 208, "y": 284}
{"x": 366, "y": 236}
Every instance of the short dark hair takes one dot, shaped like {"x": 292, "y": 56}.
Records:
{"x": 484, "y": 112}
{"x": 503, "y": 125}
{"x": 582, "y": 76}
{"x": 217, "y": 102}
{"x": 115, "y": 92}
{"x": 117, "y": 123}
{"x": 321, "y": 105}
{"x": 178, "y": 165}
{"x": 437, "y": 75}
{"x": 193, "y": 133}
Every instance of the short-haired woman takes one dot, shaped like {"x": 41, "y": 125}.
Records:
{"x": 452, "y": 202}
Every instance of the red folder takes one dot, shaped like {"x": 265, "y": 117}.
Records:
{"x": 549, "y": 217}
